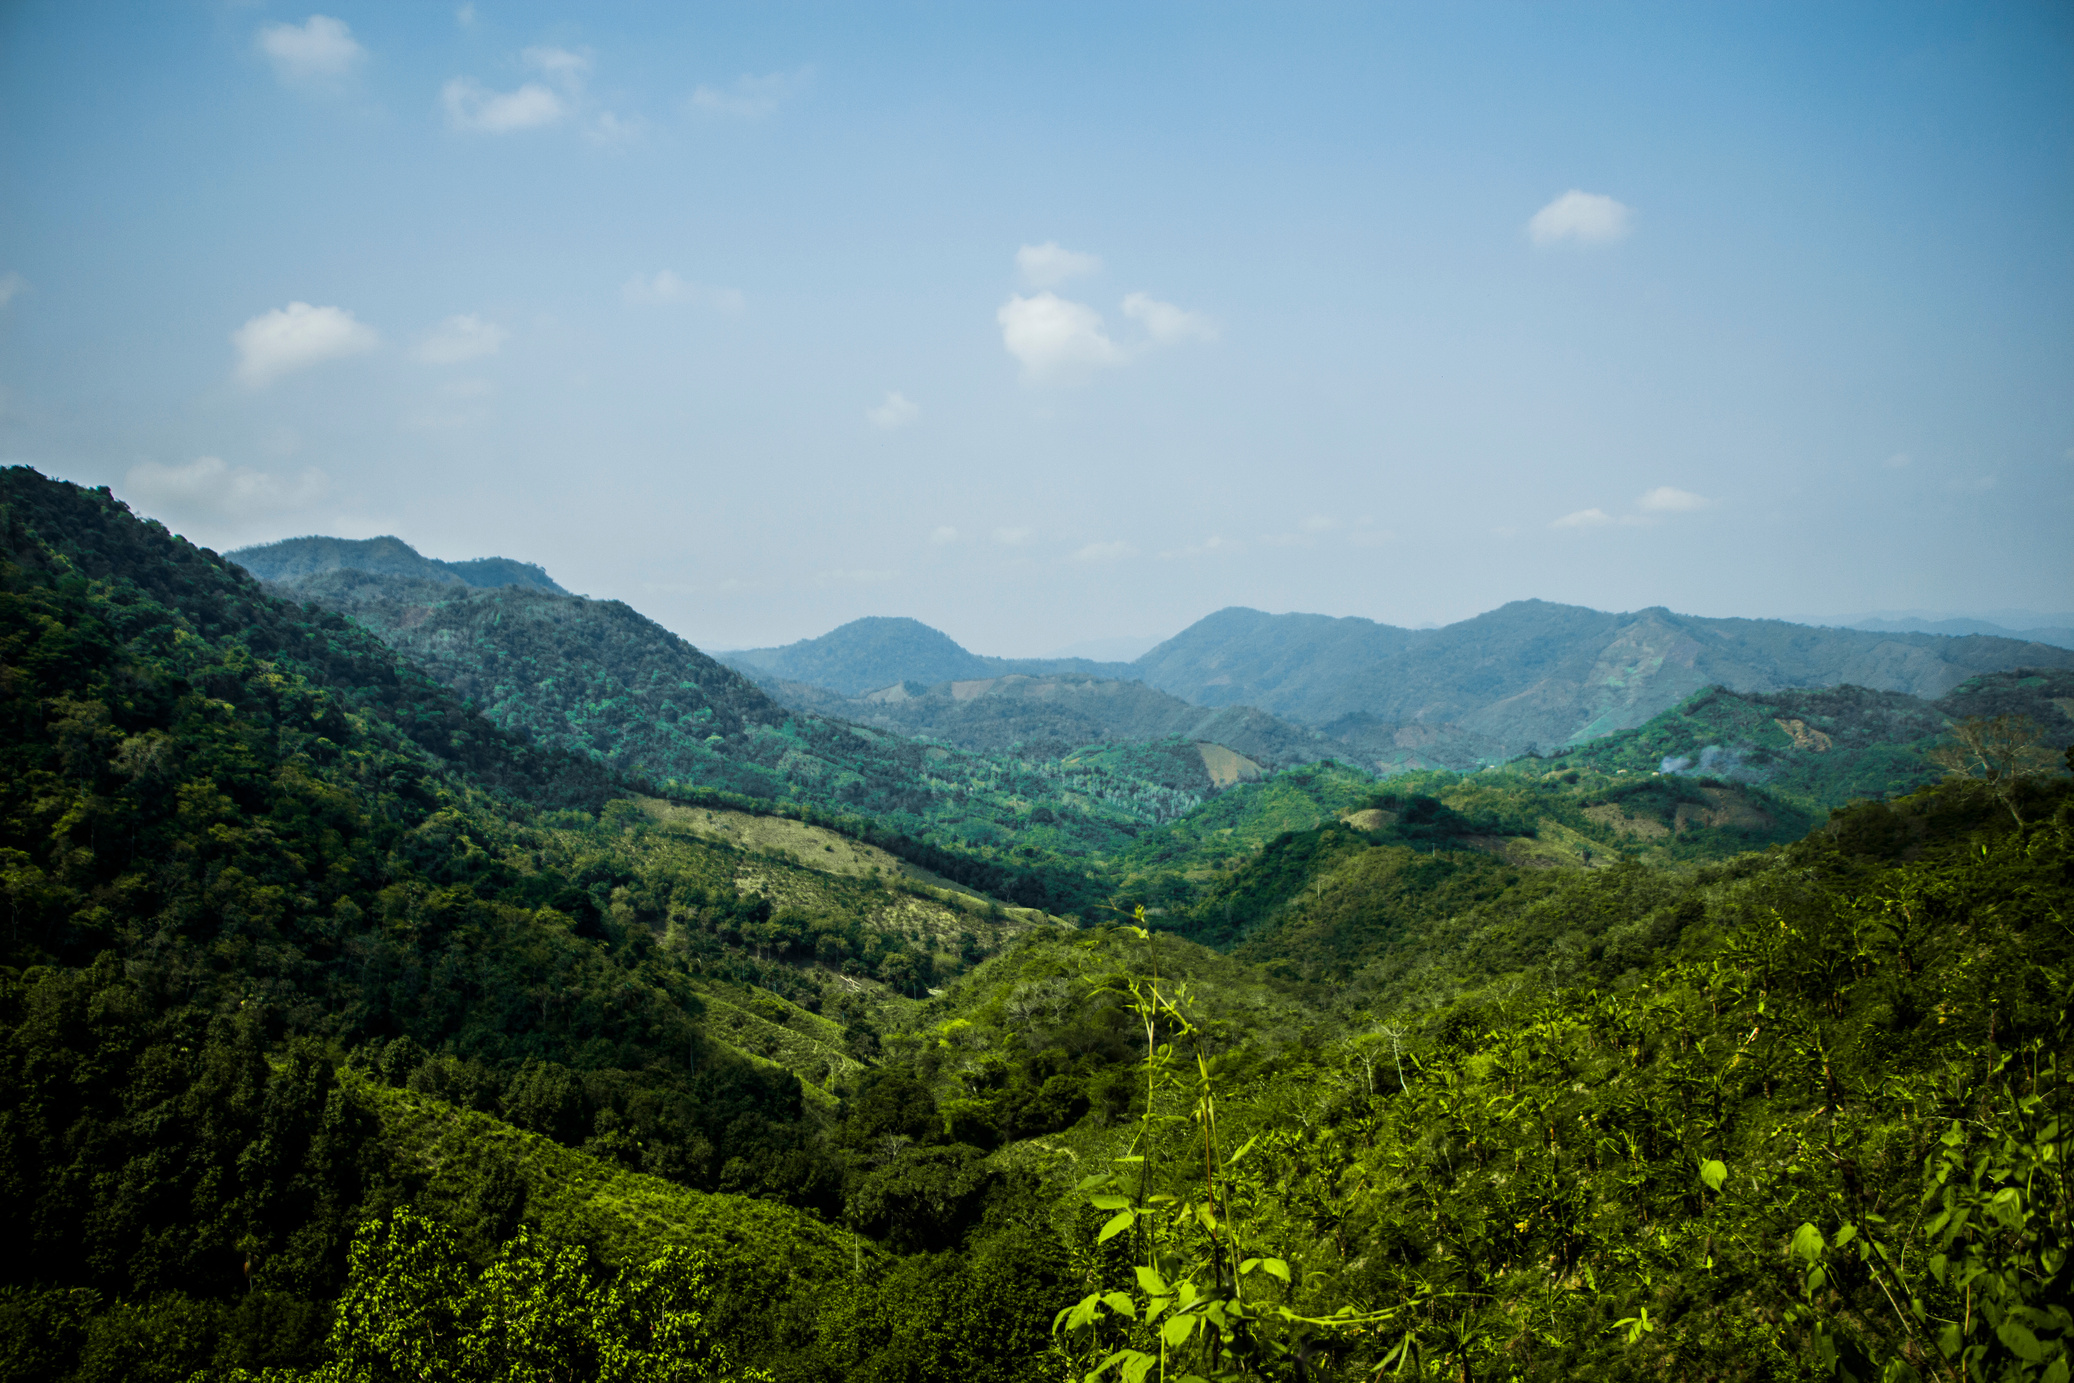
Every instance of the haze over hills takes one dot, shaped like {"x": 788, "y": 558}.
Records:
{"x": 2059, "y": 633}
{"x": 1528, "y": 676}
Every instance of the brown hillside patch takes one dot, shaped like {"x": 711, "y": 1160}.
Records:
{"x": 1641, "y": 827}
{"x": 1227, "y": 766}
{"x": 1804, "y": 737}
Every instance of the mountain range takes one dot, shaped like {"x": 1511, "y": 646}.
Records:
{"x": 1530, "y": 676}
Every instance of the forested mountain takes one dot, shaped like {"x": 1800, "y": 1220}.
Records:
{"x": 302, "y": 557}
{"x": 348, "y": 1034}
{"x": 868, "y": 654}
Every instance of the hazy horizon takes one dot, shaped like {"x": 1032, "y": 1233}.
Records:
{"x": 1073, "y": 325}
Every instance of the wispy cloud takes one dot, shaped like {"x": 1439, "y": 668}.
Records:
{"x": 459, "y": 338}
{"x": 566, "y": 68}
{"x": 665, "y": 287}
{"x": 943, "y": 536}
{"x": 1585, "y": 217}
{"x": 1167, "y": 324}
{"x": 472, "y": 107}
{"x": 1666, "y": 499}
{"x": 897, "y": 411}
{"x": 320, "y": 52}
{"x": 11, "y": 286}
{"x": 1049, "y": 265}
{"x": 1650, "y": 508}
{"x": 475, "y": 108}
{"x": 296, "y": 337}
{"x": 1015, "y": 537}
{"x": 750, "y": 97}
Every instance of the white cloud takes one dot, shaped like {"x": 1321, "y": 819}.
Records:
{"x": 1167, "y": 324}
{"x": 319, "y": 51}
{"x": 1584, "y": 518}
{"x": 465, "y": 16}
{"x": 751, "y": 98}
{"x": 295, "y": 337}
{"x": 1014, "y": 537}
{"x": 897, "y": 411}
{"x": 219, "y": 499}
{"x": 1049, "y": 265}
{"x": 1585, "y": 217}
{"x": 459, "y": 338}
{"x": 470, "y": 106}
{"x": 1105, "y": 552}
{"x": 1666, "y": 500}
{"x": 943, "y": 537}
{"x": 666, "y": 287}
{"x": 1056, "y": 340}
{"x": 11, "y": 284}
{"x": 1899, "y": 461}
{"x": 1320, "y": 523}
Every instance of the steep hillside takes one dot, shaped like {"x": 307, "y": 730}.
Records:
{"x": 1821, "y": 749}
{"x": 300, "y": 557}
{"x": 597, "y": 679}
{"x": 1532, "y": 675}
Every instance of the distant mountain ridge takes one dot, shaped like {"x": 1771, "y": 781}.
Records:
{"x": 879, "y": 651}
{"x": 2060, "y": 636}
{"x": 1530, "y": 676}
{"x": 293, "y": 558}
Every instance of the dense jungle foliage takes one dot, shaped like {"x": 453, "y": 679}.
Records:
{"x": 346, "y": 1035}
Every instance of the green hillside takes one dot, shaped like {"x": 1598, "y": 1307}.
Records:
{"x": 1821, "y": 749}
{"x": 599, "y": 680}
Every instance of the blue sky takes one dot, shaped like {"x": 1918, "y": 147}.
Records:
{"x": 1058, "y": 323}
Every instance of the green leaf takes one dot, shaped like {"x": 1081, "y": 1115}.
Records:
{"x": 1713, "y": 1173}
{"x": 1808, "y": 1243}
{"x": 1110, "y": 1202}
{"x": 1151, "y": 1283}
{"x": 1117, "y": 1225}
{"x": 2020, "y": 1341}
{"x": 1137, "y": 1366}
{"x": 1177, "y": 1330}
{"x": 1276, "y": 1267}
{"x": 1076, "y": 1317}
{"x": 1121, "y": 1304}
